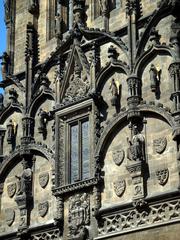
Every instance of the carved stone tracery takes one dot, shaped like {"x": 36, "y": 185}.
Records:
{"x": 129, "y": 220}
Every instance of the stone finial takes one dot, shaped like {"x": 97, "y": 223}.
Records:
{"x": 79, "y": 12}
{"x": 134, "y": 7}
{"x": 33, "y": 7}
{"x": 13, "y": 95}
{"x": 154, "y": 36}
{"x": 112, "y": 53}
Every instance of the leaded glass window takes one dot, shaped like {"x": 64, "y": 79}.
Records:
{"x": 79, "y": 151}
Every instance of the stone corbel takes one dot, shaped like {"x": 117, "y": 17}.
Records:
{"x": 136, "y": 170}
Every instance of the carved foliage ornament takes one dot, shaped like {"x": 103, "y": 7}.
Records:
{"x": 118, "y": 156}
{"x": 43, "y": 208}
{"x": 162, "y": 176}
{"x": 10, "y": 216}
{"x": 11, "y": 189}
{"x": 160, "y": 144}
{"x": 43, "y": 179}
{"x": 119, "y": 187}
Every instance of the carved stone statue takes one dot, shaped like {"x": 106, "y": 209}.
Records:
{"x": 11, "y": 131}
{"x": 43, "y": 120}
{"x": 5, "y": 60}
{"x": 136, "y": 151}
{"x": 154, "y": 77}
{"x": 114, "y": 92}
{"x": 25, "y": 180}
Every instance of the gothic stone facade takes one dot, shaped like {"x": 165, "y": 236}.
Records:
{"x": 90, "y": 120}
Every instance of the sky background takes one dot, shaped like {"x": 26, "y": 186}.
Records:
{"x": 2, "y": 33}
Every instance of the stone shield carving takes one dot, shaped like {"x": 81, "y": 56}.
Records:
{"x": 162, "y": 176}
{"x": 119, "y": 187}
{"x": 79, "y": 216}
{"x": 43, "y": 208}
{"x": 118, "y": 156}
{"x": 43, "y": 179}
{"x": 11, "y": 189}
{"x": 160, "y": 144}
{"x": 9, "y": 216}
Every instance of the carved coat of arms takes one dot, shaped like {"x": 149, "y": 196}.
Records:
{"x": 43, "y": 179}
{"x": 160, "y": 144}
{"x": 119, "y": 187}
{"x": 162, "y": 176}
{"x": 9, "y": 216}
{"x": 11, "y": 189}
{"x": 43, "y": 208}
{"x": 118, "y": 156}
{"x": 79, "y": 216}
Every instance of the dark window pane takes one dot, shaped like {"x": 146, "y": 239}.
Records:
{"x": 85, "y": 150}
{"x": 74, "y": 154}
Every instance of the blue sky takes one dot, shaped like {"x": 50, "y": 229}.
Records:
{"x": 2, "y": 32}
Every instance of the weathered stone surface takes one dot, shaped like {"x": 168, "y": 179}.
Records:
{"x": 72, "y": 102}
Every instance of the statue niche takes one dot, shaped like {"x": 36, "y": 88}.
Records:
{"x": 136, "y": 150}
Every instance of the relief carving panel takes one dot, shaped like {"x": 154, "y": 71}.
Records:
{"x": 162, "y": 176}
{"x": 11, "y": 189}
{"x": 118, "y": 156}
{"x": 43, "y": 179}
{"x": 79, "y": 216}
{"x": 160, "y": 145}
{"x": 43, "y": 208}
{"x": 119, "y": 187}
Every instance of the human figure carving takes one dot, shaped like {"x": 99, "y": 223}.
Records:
{"x": 11, "y": 131}
{"x": 25, "y": 180}
{"x": 154, "y": 77}
{"x": 136, "y": 150}
{"x": 43, "y": 120}
{"x": 114, "y": 92}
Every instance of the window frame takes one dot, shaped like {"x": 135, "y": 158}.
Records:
{"x": 70, "y": 122}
